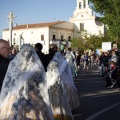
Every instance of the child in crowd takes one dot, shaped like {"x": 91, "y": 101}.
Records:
{"x": 111, "y": 73}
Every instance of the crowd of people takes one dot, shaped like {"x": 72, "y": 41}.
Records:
{"x": 108, "y": 63}
{"x": 109, "y": 67}
{"x": 37, "y": 86}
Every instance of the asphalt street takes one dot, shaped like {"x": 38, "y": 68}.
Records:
{"x": 97, "y": 101}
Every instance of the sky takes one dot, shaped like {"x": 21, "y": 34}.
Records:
{"x": 35, "y": 11}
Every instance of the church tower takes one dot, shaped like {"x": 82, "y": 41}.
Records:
{"x": 84, "y": 20}
{"x": 82, "y": 4}
{"x": 83, "y": 11}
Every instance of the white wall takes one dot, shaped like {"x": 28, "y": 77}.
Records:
{"x": 33, "y": 35}
{"x": 30, "y": 35}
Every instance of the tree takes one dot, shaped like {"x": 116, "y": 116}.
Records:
{"x": 110, "y": 11}
{"x": 77, "y": 43}
{"x": 92, "y": 42}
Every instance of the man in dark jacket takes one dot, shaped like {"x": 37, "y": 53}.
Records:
{"x": 42, "y": 56}
{"x": 4, "y": 61}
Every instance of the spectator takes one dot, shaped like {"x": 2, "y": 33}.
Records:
{"x": 103, "y": 63}
{"x": 111, "y": 73}
{"x": 12, "y": 54}
{"x": 4, "y": 61}
{"x": 114, "y": 57}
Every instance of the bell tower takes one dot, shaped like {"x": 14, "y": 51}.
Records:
{"x": 82, "y": 4}
{"x": 83, "y": 11}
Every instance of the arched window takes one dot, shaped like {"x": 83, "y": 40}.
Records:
{"x": 84, "y": 4}
{"x": 81, "y": 26}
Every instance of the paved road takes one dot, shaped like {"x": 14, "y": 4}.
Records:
{"x": 97, "y": 101}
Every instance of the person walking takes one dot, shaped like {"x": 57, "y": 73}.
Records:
{"x": 86, "y": 61}
{"x": 78, "y": 58}
{"x": 42, "y": 56}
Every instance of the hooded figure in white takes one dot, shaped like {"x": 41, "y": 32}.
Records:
{"x": 67, "y": 81}
{"x": 24, "y": 95}
{"x": 70, "y": 57}
{"x": 61, "y": 88}
{"x": 59, "y": 104}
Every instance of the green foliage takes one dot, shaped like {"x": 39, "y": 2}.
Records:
{"x": 110, "y": 11}
{"x": 92, "y": 42}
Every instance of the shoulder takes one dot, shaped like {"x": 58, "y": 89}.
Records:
{"x": 4, "y": 62}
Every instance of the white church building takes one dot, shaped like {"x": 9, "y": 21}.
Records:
{"x": 58, "y": 32}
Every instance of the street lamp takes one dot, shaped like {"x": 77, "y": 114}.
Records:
{"x": 11, "y": 17}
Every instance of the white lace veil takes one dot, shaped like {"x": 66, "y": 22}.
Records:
{"x": 63, "y": 67}
{"x": 23, "y": 67}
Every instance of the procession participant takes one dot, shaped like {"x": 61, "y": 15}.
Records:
{"x": 70, "y": 57}
{"x": 62, "y": 91}
{"x": 67, "y": 81}
{"x": 59, "y": 104}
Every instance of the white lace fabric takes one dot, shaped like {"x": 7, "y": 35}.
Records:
{"x": 24, "y": 92}
{"x": 28, "y": 93}
{"x": 62, "y": 91}
{"x": 59, "y": 105}
{"x": 67, "y": 80}
{"x": 64, "y": 67}
{"x": 71, "y": 61}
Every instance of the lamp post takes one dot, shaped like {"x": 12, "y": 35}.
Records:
{"x": 11, "y": 17}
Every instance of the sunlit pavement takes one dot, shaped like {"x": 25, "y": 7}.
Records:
{"x": 97, "y": 101}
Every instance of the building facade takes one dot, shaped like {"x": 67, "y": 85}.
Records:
{"x": 84, "y": 20}
{"x": 59, "y": 32}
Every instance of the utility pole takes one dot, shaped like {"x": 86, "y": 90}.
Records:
{"x": 11, "y": 17}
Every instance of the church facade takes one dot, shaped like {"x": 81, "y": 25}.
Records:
{"x": 84, "y": 20}
{"x": 59, "y": 32}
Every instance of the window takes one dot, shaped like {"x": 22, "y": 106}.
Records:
{"x": 69, "y": 37}
{"x": 80, "y": 5}
{"x": 13, "y": 40}
{"x": 84, "y": 4}
{"x": 42, "y": 37}
{"x": 54, "y": 37}
{"x": 62, "y": 37}
{"x": 81, "y": 26}
{"x": 14, "y": 34}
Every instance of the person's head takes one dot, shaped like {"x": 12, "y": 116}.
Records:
{"x": 113, "y": 52}
{"x": 103, "y": 53}
{"x": 69, "y": 49}
{"x": 38, "y": 47}
{"x": 106, "y": 54}
{"x": 4, "y": 48}
{"x": 55, "y": 48}
{"x": 112, "y": 63}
